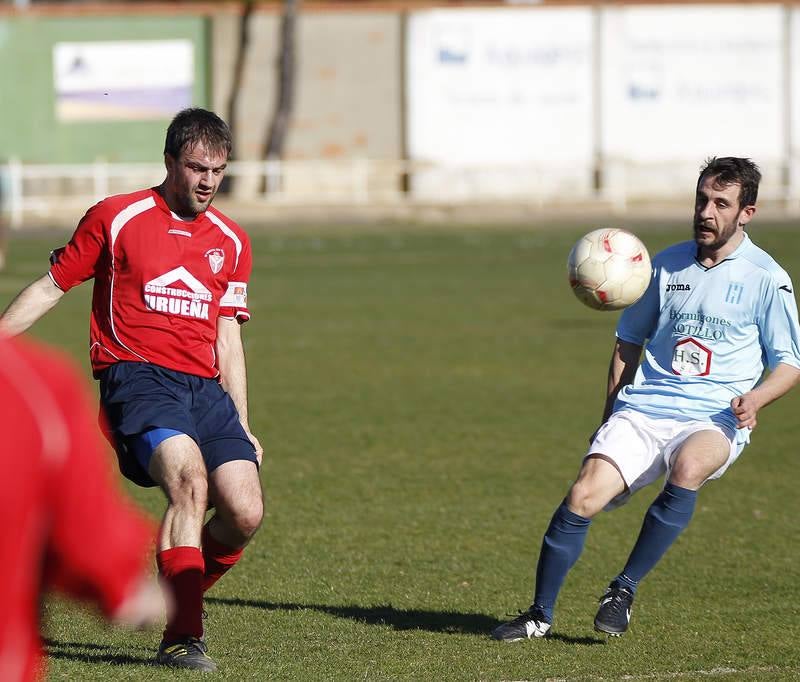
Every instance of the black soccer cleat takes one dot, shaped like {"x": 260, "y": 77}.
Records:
{"x": 528, "y": 624}
{"x": 614, "y": 614}
{"x": 189, "y": 653}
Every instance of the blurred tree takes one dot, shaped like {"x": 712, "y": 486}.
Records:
{"x": 238, "y": 66}
{"x": 279, "y": 124}
{"x": 232, "y": 113}
{"x": 276, "y": 135}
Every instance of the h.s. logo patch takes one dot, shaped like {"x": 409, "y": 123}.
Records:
{"x": 216, "y": 258}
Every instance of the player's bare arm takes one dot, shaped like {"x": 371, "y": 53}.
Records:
{"x": 621, "y": 371}
{"x": 233, "y": 372}
{"x": 779, "y": 382}
{"x": 29, "y": 305}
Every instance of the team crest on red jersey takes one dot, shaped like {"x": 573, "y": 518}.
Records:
{"x": 216, "y": 257}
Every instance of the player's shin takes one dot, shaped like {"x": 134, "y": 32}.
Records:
{"x": 182, "y": 569}
{"x": 665, "y": 520}
{"x": 219, "y": 558}
{"x": 562, "y": 545}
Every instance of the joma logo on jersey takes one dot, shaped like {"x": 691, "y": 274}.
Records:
{"x": 165, "y": 295}
{"x": 679, "y": 287}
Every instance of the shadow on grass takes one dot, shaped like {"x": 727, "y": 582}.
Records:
{"x": 568, "y": 639}
{"x": 449, "y": 622}
{"x": 87, "y": 652}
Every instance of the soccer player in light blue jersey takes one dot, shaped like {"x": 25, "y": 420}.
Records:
{"x": 719, "y": 311}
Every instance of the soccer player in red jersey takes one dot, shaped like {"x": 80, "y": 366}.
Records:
{"x": 170, "y": 294}
{"x": 68, "y": 525}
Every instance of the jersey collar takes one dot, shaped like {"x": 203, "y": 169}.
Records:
{"x": 746, "y": 243}
{"x": 742, "y": 247}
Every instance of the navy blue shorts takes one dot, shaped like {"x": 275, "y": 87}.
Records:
{"x": 137, "y": 397}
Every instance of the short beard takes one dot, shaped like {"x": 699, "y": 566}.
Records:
{"x": 722, "y": 238}
{"x": 190, "y": 207}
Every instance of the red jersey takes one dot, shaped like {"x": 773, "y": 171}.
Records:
{"x": 66, "y": 524}
{"x": 160, "y": 283}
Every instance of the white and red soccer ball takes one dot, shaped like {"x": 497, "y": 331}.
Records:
{"x": 609, "y": 269}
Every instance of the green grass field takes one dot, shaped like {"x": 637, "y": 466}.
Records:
{"x": 424, "y": 399}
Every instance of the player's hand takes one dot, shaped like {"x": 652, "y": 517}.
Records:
{"x": 256, "y": 445}
{"x": 146, "y": 605}
{"x": 745, "y": 409}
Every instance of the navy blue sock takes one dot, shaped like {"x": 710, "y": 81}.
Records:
{"x": 666, "y": 518}
{"x": 561, "y": 547}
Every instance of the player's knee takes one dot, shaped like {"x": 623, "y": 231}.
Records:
{"x": 243, "y": 527}
{"x": 691, "y": 473}
{"x": 254, "y": 516}
{"x": 247, "y": 518}
{"x": 687, "y": 476}
{"x": 189, "y": 490}
{"x": 583, "y": 500}
{"x": 249, "y": 524}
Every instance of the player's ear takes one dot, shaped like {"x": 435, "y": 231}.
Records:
{"x": 746, "y": 214}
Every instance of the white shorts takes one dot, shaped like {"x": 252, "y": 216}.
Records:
{"x": 642, "y": 447}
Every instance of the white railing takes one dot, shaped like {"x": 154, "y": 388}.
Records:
{"x": 45, "y": 190}
{"x": 32, "y": 192}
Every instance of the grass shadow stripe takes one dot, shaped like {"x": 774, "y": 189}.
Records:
{"x": 451, "y": 622}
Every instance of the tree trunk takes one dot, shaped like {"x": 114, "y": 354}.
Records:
{"x": 276, "y": 135}
{"x": 238, "y": 76}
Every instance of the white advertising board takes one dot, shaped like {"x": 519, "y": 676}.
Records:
{"x": 794, "y": 90}
{"x": 687, "y": 82}
{"x": 122, "y": 80}
{"x": 492, "y": 90}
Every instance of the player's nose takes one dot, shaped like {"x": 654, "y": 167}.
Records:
{"x": 707, "y": 211}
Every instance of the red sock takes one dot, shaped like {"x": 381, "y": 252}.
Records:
{"x": 182, "y": 568}
{"x": 219, "y": 558}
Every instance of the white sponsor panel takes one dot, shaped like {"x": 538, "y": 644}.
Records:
{"x": 688, "y": 82}
{"x": 794, "y": 91}
{"x": 165, "y": 294}
{"x": 500, "y": 101}
{"x": 122, "y": 80}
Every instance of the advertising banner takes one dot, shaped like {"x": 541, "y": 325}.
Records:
{"x": 794, "y": 86}
{"x": 122, "y": 80}
{"x": 497, "y": 90}
{"x": 688, "y": 82}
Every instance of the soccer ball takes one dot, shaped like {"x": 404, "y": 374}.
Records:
{"x": 609, "y": 269}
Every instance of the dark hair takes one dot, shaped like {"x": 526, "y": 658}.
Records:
{"x": 729, "y": 170}
{"x": 191, "y": 126}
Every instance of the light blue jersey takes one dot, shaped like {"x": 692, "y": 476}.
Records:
{"x": 709, "y": 333}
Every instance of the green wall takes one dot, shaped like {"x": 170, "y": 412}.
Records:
{"x": 29, "y": 129}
